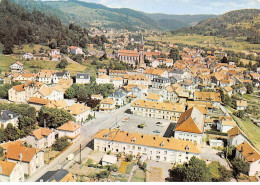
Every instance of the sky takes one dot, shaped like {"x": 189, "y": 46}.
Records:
{"x": 181, "y": 6}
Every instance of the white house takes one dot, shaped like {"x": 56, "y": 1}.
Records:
{"x": 11, "y": 172}
{"x": 79, "y": 111}
{"x": 190, "y": 126}
{"x": 109, "y": 160}
{"x": 225, "y": 124}
{"x": 249, "y": 154}
{"x": 107, "y": 105}
{"x": 28, "y": 56}
{"x": 75, "y": 50}
{"x": 51, "y": 93}
{"x": 235, "y": 137}
{"x": 155, "y": 147}
{"x": 241, "y": 105}
{"x": 41, "y": 138}
{"x": 69, "y": 129}
{"x": 60, "y": 75}
{"x": 82, "y": 78}
{"x": 119, "y": 98}
{"x": 118, "y": 82}
{"x": 17, "y": 67}
{"x": 103, "y": 79}
{"x": 7, "y": 116}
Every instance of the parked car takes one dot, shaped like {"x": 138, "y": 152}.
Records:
{"x": 156, "y": 131}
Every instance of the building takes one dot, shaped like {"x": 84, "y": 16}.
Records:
{"x": 16, "y": 67}
{"x": 235, "y": 137}
{"x": 241, "y": 105}
{"x": 103, "y": 79}
{"x": 160, "y": 82}
{"x": 109, "y": 160}
{"x": 154, "y": 97}
{"x": 22, "y": 93}
{"x": 107, "y": 105}
{"x": 60, "y": 75}
{"x": 157, "y": 110}
{"x": 31, "y": 159}
{"x": 119, "y": 98}
{"x": 50, "y": 93}
{"x": 225, "y": 123}
{"x": 7, "y": 116}
{"x": 46, "y": 76}
{"x": 54, "y": 52}
{"x": 75, "y": 50}
{"x": 80, "y": 112}
{"x": 97, "y": 97}
{"x": 249, "y": 154}
{"x": 136, "y": 79}
{"x": 118, "y": 82}
{"x": 82, "y": 78}
{"x": 155, "y": 147}
{"x": 174, "y": 93}
{"x": 57, "y": 176}
{"x": 11, "y": 172}
{"x": 211, "y": 97}
{"x": 28, "y": 56}
{"x": 71, "y": 130}
{"x": 23, "y": 77}
{"x": 41, "y": 138}
{"x": 216, "y": 143}
{"x": 190, "y": 126}
{"x": 156, "y": 73}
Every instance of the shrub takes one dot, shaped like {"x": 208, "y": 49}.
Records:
{"x": 60, "y": 144}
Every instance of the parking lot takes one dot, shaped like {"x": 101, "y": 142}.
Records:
{"x": 150, "y": 126}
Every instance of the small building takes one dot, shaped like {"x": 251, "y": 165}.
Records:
{"x": 154, "y": 97}
{"x": 119, "y": 98}
{"x": 80, "y": 112}
{"x": 70, "y": 130}
{"x": 28, "y": 56}
{"x": 225, "y": 123}
{"x": 11, "y": 172}
{"x": 107, "y": 105}
{"x": 37, "y": 103}
{"x": 97, "y": 97}
{"x": 241, "y": 105}
{"x": 7, "y": 116}
{"x": 216, "y": 143}
{"x": 160, "y": 82}
{"x": 60, "y": 75}
{"x": 82, "y": 78}
{"x": 17, "y": 67}
{"x": 41, "y": 138}
{"x": 235, "y": 137}
{"x": 57, "y": 176}
{"x": 103, "y": 79}
{"x": 109, "y": 160}
{"x": 75, "y": 50}
{"x": 249, "y": 154}
{"x": 118, "y": 82}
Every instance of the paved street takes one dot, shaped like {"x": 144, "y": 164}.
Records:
{"x": 104, "y": 120}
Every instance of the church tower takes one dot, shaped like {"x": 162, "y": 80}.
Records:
{"x": 141, "y": 52}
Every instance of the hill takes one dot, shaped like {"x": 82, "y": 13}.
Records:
{"x": 103, "y": 17}
{"x": 18, "y": 26}
{"x": 239, "y": 23}
{"x": 174, "y": 22}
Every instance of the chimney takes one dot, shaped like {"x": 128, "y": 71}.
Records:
{"x": 5, "y": 154}
{"x": 20, "y": 157}
{"x": 242, "y": 148}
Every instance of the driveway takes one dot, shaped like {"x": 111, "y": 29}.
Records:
{"x": 209, "y": 154}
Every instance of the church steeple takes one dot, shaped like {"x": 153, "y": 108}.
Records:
{"x": 141, "y": 51}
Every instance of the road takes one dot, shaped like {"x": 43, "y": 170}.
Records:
{"x": 88, "y": 130}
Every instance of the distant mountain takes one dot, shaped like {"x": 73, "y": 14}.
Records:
{"x": 174, "y": 22}
{"x": 238, "y": 23}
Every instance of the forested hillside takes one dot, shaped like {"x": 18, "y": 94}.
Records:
{"x": 238, "y": 23}
{"x": 18, "y": 26}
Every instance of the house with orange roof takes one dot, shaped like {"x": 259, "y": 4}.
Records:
{"x": 24, "y": 77}
{"x": 225, "y": 123}
{"x": 154, "y": 147}
{"x": 236, "y": 136}
{"x": 155, "y": 73}
{"x": 103, "y": 79}
{"x": 54, "y": 52}
{"x": 241, "y": 104}
{"x": 80, "y": 112}
{"x": 228, "y": 90}
{"x": 107, "y": 105}
{"x": 211, "y": 97}
{"x": 190, "y": 126}
{"x": 137, "y": 79}
{"x": 75, "y": 50}
{"x": 249, "y": 154}
{"x": 71, "y": 130}
{"x": 11, "y": 172}
{"x": 16, "y": 67}
{"x": 97, "y": 97}
{"x": 154, "y": 97}
{"x": 157, "y": 110}
{"x": 45, "y": 76}
{"x": 22, "y": 93}
{"x": 174, "y": 93}
{"x": 50, "y": 93}
{"x": 41, "y": 138}
{"x": 118, "y": 82}
{"x": 31, "y": 159}
{"x": 59, "y": 104}
{"x": 65, "y": 83}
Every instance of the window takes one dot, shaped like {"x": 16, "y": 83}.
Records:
{"x": 158, "y": 157}
{"x": 145, "y": 149}
{"x": 151, "y": 152}
{"x": 133, "y": 147}
{"x": 139, "y": 148}
{"x": 165, "y": 152}
{"x": 165, "y": 158}
{"x": 128, "y": 146}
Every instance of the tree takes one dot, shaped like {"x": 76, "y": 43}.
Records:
{"x": 63, "y": 64}
{"x": 174, "y": 54}
{"x": 11, "y": 132}
{"x": 239, "y": 166}
{"x": 60, "y": 144}
{"x": 249, "y": 88}
{"x": 240, "y": 114}
{"x": 1, "y": 151}
{"x": 194, "y": 171}
{"x": 224, "y": 60}
{"x": 129, "y": 158}
{"x": 225, "y": 175}
{"x": 70, "y": 93}
{"x": 53, "y": 44}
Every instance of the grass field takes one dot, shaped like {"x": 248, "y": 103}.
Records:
{"x": 5, "y": 62}
{"x": 139, "y": 176}
{"x": 226, "y": 43}
{"x": 213, "y": 167}
{"x": 29, "y": 48}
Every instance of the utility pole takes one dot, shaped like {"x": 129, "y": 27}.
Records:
{"x": 80, "y": 153}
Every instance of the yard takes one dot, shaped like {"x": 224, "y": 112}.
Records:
{"x": 126, "y": 167}
{"x": 139, "y": 176}
{"x": 156, "y": 175}
{"x": 49, "y": 155}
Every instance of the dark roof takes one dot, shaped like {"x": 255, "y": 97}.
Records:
{"x": 117, "y": 94}
{"x": 176, "y": 77}
{"x": 53, "y": 175}
{"x": 85, "y": 76}
{"x": 61, "y": 73}
{"x": 161, "y": 79}
{"x": 5, "y": 115}
{"x": 177, "y": 71}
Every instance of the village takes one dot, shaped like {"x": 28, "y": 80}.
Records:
{"x": 128, "y": 125}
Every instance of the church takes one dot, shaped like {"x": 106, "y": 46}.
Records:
{"x": 136, "y": 58}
